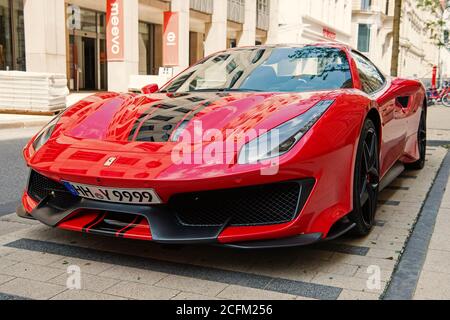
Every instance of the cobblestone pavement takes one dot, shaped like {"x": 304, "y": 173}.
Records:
{"x": 34, "y": 259}
{"x": 434, "y": 281}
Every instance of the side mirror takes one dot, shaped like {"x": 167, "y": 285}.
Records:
{"x": 151, "y": 88}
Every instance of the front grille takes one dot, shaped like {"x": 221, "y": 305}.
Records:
{"x": 40, "y": 187}
{"x": 251, "y": 206}
{"x": 261, "y": 205}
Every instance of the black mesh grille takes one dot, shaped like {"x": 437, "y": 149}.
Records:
{"x": 40, "y": 187}
{"x": 262, "y": 205}
{"x": 252, "y": 206}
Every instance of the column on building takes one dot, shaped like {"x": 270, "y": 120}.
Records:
{"x": 216, "y": 31}
{"x": 290, "y": 21}
{"x": 119, "y": 72}
{"x": 45, "y": 36}
{"x": 248, "y": 35}
{"x": 272, "y": 33}
{"x": 182, "y": 7}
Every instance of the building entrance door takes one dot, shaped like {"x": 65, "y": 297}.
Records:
{"x": 87, "y": 61}
{"x": 89, "y": 58}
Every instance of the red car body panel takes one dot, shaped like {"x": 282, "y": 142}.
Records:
{"x": 104, "y": 126}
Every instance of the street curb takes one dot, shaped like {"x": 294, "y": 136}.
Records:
{"x": 23, "y": 124}
{"x": 405, "y": 278}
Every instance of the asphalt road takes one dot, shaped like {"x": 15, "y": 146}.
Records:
{"x": 13, "y": 171}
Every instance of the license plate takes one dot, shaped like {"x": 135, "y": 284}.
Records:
{"x": 125, "y": 196}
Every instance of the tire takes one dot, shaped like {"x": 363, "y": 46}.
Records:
{"x": 367, "y": 181}
{"x": 422, "y": 141}
{"x": 446, "y": 100}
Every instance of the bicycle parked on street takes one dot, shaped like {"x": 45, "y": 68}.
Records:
{"x": 436, "y": 96}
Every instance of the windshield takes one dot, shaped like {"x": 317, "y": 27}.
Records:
{"x": 269, "y": 70}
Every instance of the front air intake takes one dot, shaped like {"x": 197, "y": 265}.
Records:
{"x": 261, "y": 205}
{"x": 41, "y": 187}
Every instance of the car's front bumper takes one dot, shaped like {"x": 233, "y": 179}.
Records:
{"x": 164, "y": 228}
{"x": 162, "y": 223}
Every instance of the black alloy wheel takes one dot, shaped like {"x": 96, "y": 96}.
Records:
{"x": 367, "y": 181}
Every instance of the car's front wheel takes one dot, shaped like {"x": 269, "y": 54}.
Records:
{"x": 367, "y": 181}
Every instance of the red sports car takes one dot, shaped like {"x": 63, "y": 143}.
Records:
{"x": 254, "y": 147}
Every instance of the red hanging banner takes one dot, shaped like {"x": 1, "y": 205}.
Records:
{"x": 170, "y": 39}
{"x": 115, "y": 30}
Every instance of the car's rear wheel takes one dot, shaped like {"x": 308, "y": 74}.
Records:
{"x": 422, "y": 142}
{"x": 367, "y": 181}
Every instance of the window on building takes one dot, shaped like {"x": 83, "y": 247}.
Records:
{"x": 364, "y": 37}
{"x": 366, "y": 4}
{"x": 12, "y": 35}
{"x": 196, "y": 47}
{"x": 387, "y": 7}
{"x": 145, "y": 48}
{"x": 150, "y": 48}
{"x": 262, "y": 5}
{"x": 372, "y": 79}
{"x": 5, "y": 36}
{"x": 232, "y": 43}
{"x": 236, "y": 10}
{"x": 89, "y": 20}
{"x": 262, "y": 14}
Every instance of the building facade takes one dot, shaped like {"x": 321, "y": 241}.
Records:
{"x": 308, "y": 21}
{"x": 372, "y": 27}
{"x": 71, "y": 37}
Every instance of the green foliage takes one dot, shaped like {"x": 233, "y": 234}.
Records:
{"x": 435, "y": 26}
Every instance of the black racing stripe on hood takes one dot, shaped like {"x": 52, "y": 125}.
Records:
{"x": 137, "y": 125}
{"x": 159, "y": 122}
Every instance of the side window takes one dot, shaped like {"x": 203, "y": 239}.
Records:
{"x": 371, "y": 79}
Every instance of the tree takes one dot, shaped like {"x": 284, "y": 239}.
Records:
{"x": 396, "y": 38}
{"x": 435, "y": 26}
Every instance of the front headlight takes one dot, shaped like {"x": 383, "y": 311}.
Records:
{"x": 45, "y": 133}
{"x": 282, "y": 139}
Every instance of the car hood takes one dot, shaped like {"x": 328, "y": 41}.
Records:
{"x": 161, "y": 118}
{"x": 137, "y": 132}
